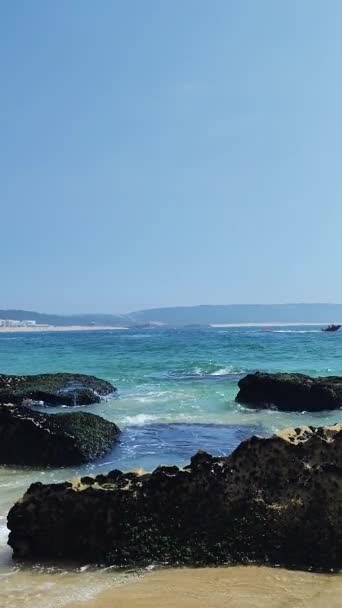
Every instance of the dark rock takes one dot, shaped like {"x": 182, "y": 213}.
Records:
{"x": 33, "y": 438}
{"x": 115, "y": 474}
{"x": 166, "y": 470}
{"x": 87, "y": 481}
{"x": 290, "y": 392}
{"x": 101, "y": 479}
{"x": 274, "y": 501}
{"x": 54, "y": 389}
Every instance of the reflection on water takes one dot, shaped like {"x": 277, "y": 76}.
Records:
{"x": 147, "y": 446}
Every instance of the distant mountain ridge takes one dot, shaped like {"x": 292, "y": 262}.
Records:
{"x": 243, "y": 313}
{"x": 188, "y": 315}
{"x": 63, "y": 320}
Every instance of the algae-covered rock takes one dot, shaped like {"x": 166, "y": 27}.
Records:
{"x": 54, "y": 389}
{"x": 34, "y": 438}
{"x": 290, "y": 392}
{"x": 273, "y": 500}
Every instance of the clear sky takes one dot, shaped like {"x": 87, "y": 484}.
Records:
{"x": 169, "y": 152}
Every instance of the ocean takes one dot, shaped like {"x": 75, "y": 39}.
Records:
{"x": 176, "y": 391}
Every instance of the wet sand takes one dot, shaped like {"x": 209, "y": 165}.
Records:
{"x": 235, "y": 587}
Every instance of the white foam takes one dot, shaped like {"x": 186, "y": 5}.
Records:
{"x": 223, "y": 371}
{"x": 152, "y": 396}
{"x": 5, "y": 551}
{"x": 139, "y": 419}
{"x": 205, "y": 372}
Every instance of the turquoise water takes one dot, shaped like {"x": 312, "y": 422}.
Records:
{"x": 177, "y": 387}
{"x": 174, "y": 375}
{"x": 176, "y": 391}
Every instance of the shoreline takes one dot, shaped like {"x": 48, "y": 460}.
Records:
{"x": 53, "y": 328}
{"x": 235, "y": 586}
{"x": 64, "y": 328}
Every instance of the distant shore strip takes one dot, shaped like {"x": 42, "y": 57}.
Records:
{"x": 39, "y": 328}
{"x": 50, "y": 328}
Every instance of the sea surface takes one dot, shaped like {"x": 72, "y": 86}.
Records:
{"x": 176, "y": 394}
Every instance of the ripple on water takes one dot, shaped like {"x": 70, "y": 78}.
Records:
{"x": 147, "y": 445}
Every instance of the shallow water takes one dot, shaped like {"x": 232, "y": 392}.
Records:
{"x": 236, "y": 587}
{"x": 176, "y": 395}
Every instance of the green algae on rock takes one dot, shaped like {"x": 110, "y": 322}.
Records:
{"x": 54, "y": 389}
{"x": 33, "y": 438}
{"x": 273, "y": 501}
{"x": 290, "y": 392}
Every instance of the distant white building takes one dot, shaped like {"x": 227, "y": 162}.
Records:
{"x": 15, "y": 323}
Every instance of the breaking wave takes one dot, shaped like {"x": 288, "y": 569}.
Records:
{"x": 206, "y": 372}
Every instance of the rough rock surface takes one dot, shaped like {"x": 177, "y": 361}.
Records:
{"x": 54, "y": 389}
{"x": 275, "y": 500}
{"x": 33, "y": 438}
{"x": 290, "y": 392}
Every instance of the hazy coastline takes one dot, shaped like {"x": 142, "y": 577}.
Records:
{"x": 51, "y": 328}
{"x": 37, "y": 328}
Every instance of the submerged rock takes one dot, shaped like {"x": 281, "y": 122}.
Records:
{"x": 33, "y": 438}
{"x": 54, "y": 389}
{"x": 290, "y": 392}
{"x": 273, "y": 500}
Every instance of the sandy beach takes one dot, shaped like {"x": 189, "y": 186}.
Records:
{"x": 234, "y": 587}
{"x": 39, "y": 328}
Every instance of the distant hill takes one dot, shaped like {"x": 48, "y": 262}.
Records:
{"x": 47, "y": 319}
{"x": 194, "y": 315}
{"x": 243, "y": 313}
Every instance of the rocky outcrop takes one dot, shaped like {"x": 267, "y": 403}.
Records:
{"x": 275, "y": 501}
{"x": 290, "y": 392}
{"x": 54, "y": 389}
{"x": 33, "y": 438}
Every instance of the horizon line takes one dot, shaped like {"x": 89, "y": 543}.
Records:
{"x": 120, "y": 314}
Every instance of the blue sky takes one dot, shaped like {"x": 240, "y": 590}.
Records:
{"x": 160, "y": 153}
